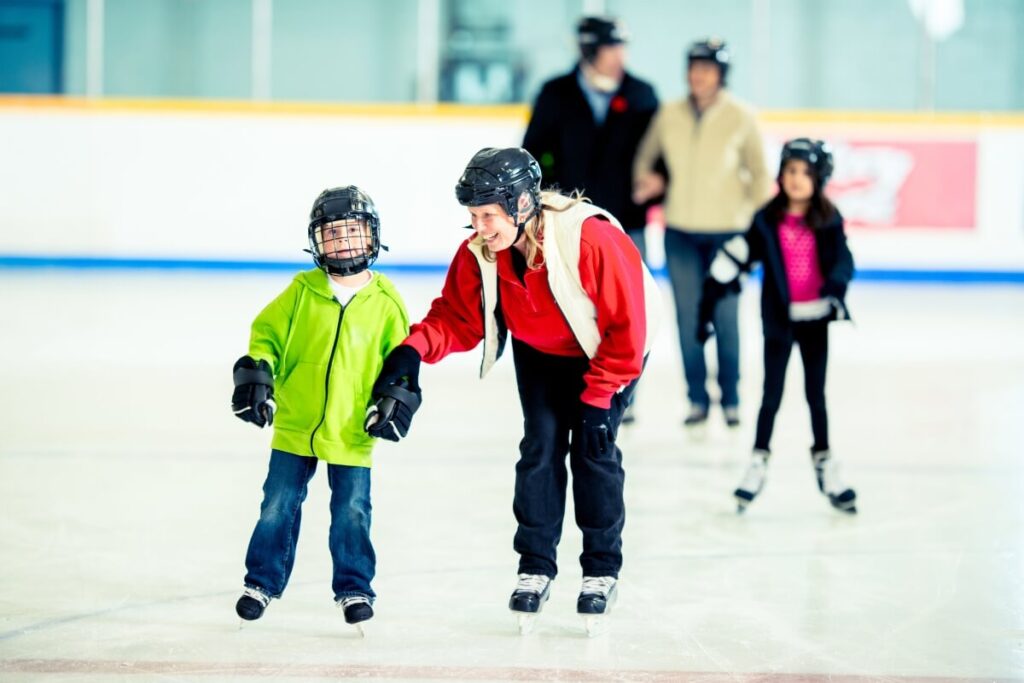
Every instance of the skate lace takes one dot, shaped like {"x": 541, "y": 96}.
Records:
{"x": 599, "y": 585}
{"x": 352, "y": 600}
{"x": 533, "y": 583}
{"x": 258, "y": 596}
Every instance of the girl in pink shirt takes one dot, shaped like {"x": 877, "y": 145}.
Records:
{"x": 798, "y": 237}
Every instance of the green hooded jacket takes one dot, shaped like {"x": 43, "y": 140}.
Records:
{"x": 325, "y": 359}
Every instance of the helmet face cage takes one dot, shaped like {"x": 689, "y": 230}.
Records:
{"x": 816, "y": 153}
{"x": 711, "y": 50}
{"x": 594, "y": 32}
{"x": 344, "y": 231}
{"x": 500, "y": 176}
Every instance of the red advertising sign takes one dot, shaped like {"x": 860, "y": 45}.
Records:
{"x": 905, "y": 184}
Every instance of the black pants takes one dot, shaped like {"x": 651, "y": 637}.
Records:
{"x": 549, "y": 390}
{"x": 813, "y": 340}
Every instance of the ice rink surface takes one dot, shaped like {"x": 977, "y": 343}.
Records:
{"x": 128, "y": 493}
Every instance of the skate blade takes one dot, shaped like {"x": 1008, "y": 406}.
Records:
{"x": 360, "y": 631}
{"x": 525, "y": 621}
{"x": 595, "y": 624}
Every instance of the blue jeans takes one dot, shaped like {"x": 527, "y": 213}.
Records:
{"x": 271, "y": 553}
{"x": 688, "y": 256}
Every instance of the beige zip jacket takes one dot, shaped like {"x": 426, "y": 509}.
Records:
{"x": 717, "y": 174}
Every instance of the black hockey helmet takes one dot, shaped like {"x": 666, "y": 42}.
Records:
{"x": 337, "y": 204}
{"x": 710, "y": 50}
{"x": 500, "y": 176}
{"x": 816, "y": 153}
{"x": 594, "y": 32}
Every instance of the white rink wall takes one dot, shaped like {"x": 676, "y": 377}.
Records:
{"x": 233, "y": 182}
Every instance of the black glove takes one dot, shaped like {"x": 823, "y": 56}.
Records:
{"x": 391, "y": 415}
{"x": 396, "y": 395}
{"x": 403, "y": 361}
{"x": 712, "y": 292}
{"x": 596, "y": 436}
{"x": 253, "y": 399}
{"x": 834, "y": 289}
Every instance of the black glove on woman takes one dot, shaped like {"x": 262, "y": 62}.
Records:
{"x": 596, "y": 436}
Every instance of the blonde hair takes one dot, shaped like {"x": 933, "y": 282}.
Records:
{"x": 534, "y": 232}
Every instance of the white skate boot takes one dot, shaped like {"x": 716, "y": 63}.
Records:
{"x": 753, "y": 480}
{"x": 826, "y": 468}
{"x": 595, "y": 602}
{"x": 528, "y": 598}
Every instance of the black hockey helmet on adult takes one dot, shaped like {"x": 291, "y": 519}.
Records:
{"x": 710, "y": 50}
{"x": 340, "y": 203}
{"x": 815, "y": 152}
{"x": 500, "y": 176}
{"x": 594, "y": 32}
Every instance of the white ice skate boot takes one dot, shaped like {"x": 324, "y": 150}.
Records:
{"x": 753, "y": 480}
{"x": 826, "y": 468}
{"x": 528, "y": 598}
{"x": 595, "y": 602}
{"x": 357, "y": 609}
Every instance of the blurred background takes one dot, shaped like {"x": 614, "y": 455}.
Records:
{"x": 118, "y": 102}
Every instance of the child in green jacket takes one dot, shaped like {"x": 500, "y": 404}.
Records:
{"x": 314, "y": 354}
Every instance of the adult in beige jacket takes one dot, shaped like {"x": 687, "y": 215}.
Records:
{"x": 713, "y": 151}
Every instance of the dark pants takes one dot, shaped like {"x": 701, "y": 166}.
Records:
{"x": 813, "y": 340}
{"x": 271, "y": 553}
{"x": 549, "y": 390}
{"x": 688, "y": 257}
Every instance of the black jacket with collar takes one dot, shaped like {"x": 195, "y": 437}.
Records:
{"x": 578, "y": 154}
{"x": 834, "y": 259}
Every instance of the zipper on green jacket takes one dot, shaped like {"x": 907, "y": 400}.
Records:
{"x": 327, "y": 381}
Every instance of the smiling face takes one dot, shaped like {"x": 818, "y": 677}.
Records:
{"x": 348, "y": 238}
{"x": 797, "y": 180}
{"x": 495, "y": 228}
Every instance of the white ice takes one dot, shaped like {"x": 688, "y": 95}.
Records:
{"x": 128, "y": 493}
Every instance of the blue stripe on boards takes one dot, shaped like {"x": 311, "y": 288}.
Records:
{"x": 943, "y": 276}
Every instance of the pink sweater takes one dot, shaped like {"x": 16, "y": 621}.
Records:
{"x": 800, "y": 256}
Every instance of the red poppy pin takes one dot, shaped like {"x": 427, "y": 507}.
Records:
{"x": 619, "y": 104}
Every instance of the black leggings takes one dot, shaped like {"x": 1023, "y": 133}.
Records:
{"x": 813, "y": 340}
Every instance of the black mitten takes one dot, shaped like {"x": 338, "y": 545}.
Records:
{"x": 253, "y": 398}
{"x": 596, "y": 436}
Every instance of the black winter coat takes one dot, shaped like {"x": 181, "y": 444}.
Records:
{"x": 577, "y": 154}
{"x": 834, "y": 259}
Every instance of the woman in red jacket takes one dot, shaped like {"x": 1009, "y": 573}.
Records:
{"x": 562, "y": 277}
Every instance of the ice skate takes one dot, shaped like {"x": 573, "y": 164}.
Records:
{"x": 826, "y": 467}
{"x": 595, "y": 602}
{"x": 251, "y": 605}
{"x": 753, "y": 480}
{"x": 696, "y": 421}
{"x": 357, "y": 610}
{"x": 732, "y": 416}
{"x": 528, "y": 598}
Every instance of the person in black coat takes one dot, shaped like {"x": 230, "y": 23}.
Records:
{"x": 798, "y": 237}
{"x": 586, "y": 125}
